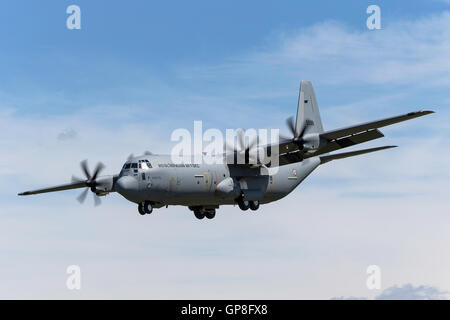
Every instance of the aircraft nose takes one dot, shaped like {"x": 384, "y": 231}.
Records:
{"x": 127, "y": 186}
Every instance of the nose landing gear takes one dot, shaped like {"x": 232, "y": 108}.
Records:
{"x": 145, "y": 208}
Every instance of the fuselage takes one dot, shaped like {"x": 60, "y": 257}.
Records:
{"x": 156, "y": 178}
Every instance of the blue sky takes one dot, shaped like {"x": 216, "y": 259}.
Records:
{"x": 138, "y": 70}
{"x": 146, "y": 44}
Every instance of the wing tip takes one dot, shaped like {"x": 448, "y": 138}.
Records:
{"x": 425, "y": 112}
{"x": 23, "y": 193}
{"x": 383, "y": 148}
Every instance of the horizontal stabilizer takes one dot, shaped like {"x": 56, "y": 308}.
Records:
{"x": 327, "y": 158}
{"x": 335, "y": 134}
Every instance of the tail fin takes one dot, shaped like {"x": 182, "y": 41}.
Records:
{"x": 307, "y": 110}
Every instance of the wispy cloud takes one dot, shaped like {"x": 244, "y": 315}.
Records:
{"x": 404, "y": 52}
{"x": 410, "y": 292}
{"x": 67, "y": 134}
{"x": 406, "y": 292}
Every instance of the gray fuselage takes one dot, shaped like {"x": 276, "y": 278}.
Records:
{"x": 157, "y": 179}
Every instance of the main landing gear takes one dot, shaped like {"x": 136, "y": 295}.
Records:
{"x": 245, "y": 204}
{"x": 201, "y": 212}
{"x": 145, "y": 208}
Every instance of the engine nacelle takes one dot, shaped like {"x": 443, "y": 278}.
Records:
{"x": 312, "y": 141}
{"x": 103, "y": 185}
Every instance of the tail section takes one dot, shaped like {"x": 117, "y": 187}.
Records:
{"x": 308, "y": 116}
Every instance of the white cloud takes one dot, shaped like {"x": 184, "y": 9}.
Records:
{"x": 406, "y": 292}
{"x": 407, "y": 52}
{"x": 409, "y": 292}
{"x": 67, "y": 134}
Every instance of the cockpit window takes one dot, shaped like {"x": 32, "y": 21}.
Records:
{"x": 144, "y": 164}
{"x": 127, "y": 166}
{"x": 134, "y": 165}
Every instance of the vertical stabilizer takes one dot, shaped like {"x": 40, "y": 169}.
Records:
{"x": 308, "y": 115}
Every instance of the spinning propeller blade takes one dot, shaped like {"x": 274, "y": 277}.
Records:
{"x": 242, "y": 150}
{"x": 90, "y": 181}
{"x": 297, "y": 137}
{"x": 82, "y": 196}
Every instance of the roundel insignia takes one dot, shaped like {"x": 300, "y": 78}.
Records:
{"x": 294, "y": 172}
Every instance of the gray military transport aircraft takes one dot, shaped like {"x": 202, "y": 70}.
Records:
{"x": 154, "y": 181}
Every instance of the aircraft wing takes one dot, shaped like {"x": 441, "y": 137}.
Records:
{"x": 344, "y": 137}
{"x": 340, "y": 138}
{"x": 345, "y": 142}
{"x": 73, "y": 185}
{"x": 347, "y": 131}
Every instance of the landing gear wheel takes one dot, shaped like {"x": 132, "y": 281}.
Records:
{"x": 141, "y": 209}
{"x": 210, "y": 214}
{"x": 243, "y": 204}
{"x": 148, "y": 208}
{"x": 198, "y": 214}
{"x": 254, "y": 205}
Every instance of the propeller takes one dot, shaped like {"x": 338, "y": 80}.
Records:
{"x": 90, "y": 181}
{"x": 241, "y": 150}
{"x": 297, "y": 136}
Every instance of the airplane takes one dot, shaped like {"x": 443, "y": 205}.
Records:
{"x": 154, "y": 181}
